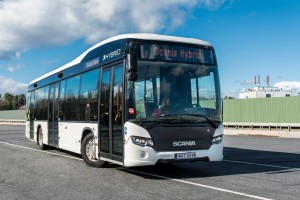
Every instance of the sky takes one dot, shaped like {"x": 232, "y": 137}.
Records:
{"x": 251, "y": 37}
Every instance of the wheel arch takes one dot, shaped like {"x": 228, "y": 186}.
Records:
{"x": 85, "y": 132}
{"x": 39, "y": 126}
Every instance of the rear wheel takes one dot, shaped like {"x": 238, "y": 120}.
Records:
{"x": 40, "y": 139}
{"x": 88, "y": 151}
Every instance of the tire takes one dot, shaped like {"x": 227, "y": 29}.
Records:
{"x": 42, "y": 146}
{"x": 88, "y": 152}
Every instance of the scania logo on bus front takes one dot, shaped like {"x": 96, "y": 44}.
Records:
{"x": 184, "y": 143}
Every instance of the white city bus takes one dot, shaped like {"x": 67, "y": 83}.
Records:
{"x": 133, "y": 100}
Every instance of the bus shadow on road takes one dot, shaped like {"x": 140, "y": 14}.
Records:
{"x": 236, "y": 162}
{"x": 62, "y": 151}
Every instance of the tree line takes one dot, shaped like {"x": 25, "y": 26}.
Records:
{"x": 12, "y": 102}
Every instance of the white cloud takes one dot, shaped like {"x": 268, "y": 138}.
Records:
{"x": 288, "y": 85}
{"x": 12, "y": 86}
{"x": 25, "y": 24}
{"x": 293, "y": 86}
{"x": 9, "y": 54}
{"x": 12, "y": 68}
{"x": 213, "y": 4}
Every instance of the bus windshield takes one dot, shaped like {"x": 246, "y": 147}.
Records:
{"x": 174, "y": 90}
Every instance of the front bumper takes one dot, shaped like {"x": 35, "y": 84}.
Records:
{"x": 141, "y": 156}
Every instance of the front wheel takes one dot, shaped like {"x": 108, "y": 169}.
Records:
{"x": 88, "y": 151}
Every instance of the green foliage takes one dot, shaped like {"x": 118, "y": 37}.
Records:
{"x": 12, "y": 102}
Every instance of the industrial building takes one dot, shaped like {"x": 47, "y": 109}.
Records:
{"x": 264, "y": 92}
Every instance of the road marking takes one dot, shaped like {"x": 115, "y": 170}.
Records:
{"x": 264, "y": 165}
{"x": 57, "y": 154}
{"x": 199, "y": 185}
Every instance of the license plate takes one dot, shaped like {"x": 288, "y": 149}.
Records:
{"x": 187, "y": 155}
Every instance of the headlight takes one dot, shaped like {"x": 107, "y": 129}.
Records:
{"x": 217, "y": 139}
{"x": 141, "y": 141}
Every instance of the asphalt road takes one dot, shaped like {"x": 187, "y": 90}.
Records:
{"x": 253, "y": 168}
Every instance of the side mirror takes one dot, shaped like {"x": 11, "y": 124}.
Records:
{"x": 132, "y": 67}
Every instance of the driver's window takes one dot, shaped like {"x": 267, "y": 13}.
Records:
{"x": 139, "y": 98}
{"x": 146, "y": 96}
{"x": 203, "y": 92}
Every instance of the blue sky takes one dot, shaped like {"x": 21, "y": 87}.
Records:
{"x": 251, "y": 37}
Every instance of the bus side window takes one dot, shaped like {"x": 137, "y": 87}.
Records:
{"x": 89, "y": 96}
{"x": 72, "y": 99}
{"x": 62, "y": 100}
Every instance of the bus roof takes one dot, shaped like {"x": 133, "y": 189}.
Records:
{"x": 141, "y": 36}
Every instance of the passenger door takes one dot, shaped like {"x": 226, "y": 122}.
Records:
{"x": 31, "y": 114}
{"x": 111, "y": 113}
{"x": 53, "y": 106}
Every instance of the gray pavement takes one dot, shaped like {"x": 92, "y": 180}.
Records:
{"x": 253, "y": 168}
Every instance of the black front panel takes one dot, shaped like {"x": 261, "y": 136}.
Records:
{"x": 181, "y": 138}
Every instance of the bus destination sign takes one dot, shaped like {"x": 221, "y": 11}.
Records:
{"x": 176, "y": 53}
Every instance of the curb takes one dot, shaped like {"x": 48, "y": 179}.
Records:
{"x": 265, "y": 133}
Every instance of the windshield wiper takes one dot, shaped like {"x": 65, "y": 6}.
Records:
{"x": 196, "y": 115}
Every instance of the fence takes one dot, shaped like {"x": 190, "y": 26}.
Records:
{"x": 278, "y": 113}
{"x": 15, "y": 117}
